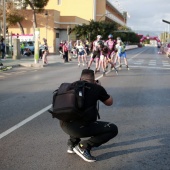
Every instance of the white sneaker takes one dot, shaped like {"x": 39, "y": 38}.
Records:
{"x": 79, "y": 64}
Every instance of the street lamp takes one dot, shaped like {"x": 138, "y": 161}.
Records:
{"x": 168, "y": 28}
{"x": 46, "y": 14}
{"x": 166, "y": 21}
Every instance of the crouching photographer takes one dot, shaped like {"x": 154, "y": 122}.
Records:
{"x": 99, "y": 132}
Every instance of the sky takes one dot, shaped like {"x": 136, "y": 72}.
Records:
{"x": 146, "y": 15}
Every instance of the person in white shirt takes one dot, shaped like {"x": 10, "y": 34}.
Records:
{"x": 81, "y": 52}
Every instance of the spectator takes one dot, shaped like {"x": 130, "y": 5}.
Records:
{"x": 45, "y": 51}
{"x": 22, "y": 48}
{"x": 65, "y": 51}
{"x": 2, "y": 48}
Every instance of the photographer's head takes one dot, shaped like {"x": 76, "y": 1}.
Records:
{"x": 87, "y": 75}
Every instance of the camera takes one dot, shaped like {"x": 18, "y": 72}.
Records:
{"x": 98, "y": 82}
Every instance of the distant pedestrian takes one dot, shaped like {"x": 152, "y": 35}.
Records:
{"x": 2, "y": 48}
{"x": 61, "y": 49}
{"x": 45, "y": 51}
{"x": 22, "y": 48}
{"x": 81, "y": 53}
{"x": 65, "y": 51}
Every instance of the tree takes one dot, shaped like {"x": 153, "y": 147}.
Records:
{"x": 14, "y": 16}
{"x": 36, "y": 5}
{"x": 94, "y": 28}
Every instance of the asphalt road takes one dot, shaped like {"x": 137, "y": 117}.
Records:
{"x": 31, "y": 140}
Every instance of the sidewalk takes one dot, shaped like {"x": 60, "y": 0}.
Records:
{"x": 29, "y": 61}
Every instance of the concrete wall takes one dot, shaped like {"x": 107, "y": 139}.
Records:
{"x": 80, "y": 8}
{"x": 45, "y": 23}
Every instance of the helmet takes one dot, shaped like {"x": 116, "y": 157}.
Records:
{"x": 99, "y": 36}
{"x": 110, "y": 36}
{"x": 119, "y": 41}
{"x": 100, "y": 43}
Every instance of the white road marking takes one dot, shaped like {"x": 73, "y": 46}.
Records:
{"x": 151, "y": 67}
{"x": 152, "y": 64}
{"x": 166, "y": 65}
{"x": 137, "y": 54}
{"x": 24, "y": 122}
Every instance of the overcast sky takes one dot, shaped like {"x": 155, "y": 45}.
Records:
{"x": 146, "y": 15}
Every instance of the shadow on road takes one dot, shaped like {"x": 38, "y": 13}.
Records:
{"x": 163, "y": 140}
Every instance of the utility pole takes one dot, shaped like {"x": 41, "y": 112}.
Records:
{"x": 46, "y": 14}
{"x": 168, "y": 22}
{"x": 68, "y": 34}
{"x": 4, "y": 20}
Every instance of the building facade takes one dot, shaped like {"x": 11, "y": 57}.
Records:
{"x": 61, "y": 14}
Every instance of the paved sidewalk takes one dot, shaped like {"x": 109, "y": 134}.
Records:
{"x": 29, "y": 61}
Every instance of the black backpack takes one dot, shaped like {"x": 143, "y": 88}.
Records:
{"x": 68, "y": 101}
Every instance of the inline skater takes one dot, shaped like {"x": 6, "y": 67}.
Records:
{"x": 103, "y": 54}
{"x": 81, "y": 52}
{"x": 111, "y": 46}
{"x": 95, "y": 53}
{"x": 111, "y": 51}
{"x": 103, "y": 57}
{"x": 121, "y": 53}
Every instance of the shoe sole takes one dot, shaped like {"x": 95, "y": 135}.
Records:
{"x": 79, "y": 154}
{"x": 69, "y": 151}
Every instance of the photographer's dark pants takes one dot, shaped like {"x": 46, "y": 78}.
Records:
{"x": 99, "y": 133}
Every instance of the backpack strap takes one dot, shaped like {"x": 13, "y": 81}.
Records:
{"x": 98, "y": 115}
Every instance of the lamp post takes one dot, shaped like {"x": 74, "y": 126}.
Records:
{"x": 68, "y": 34}
{"x": 46, "y": 14}
{"x": 168, "y": 22}
{"x": 4, "y": 20}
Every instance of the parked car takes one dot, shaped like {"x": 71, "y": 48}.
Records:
{"x": 166, "y": 49}
{"x": 29, "y": 45}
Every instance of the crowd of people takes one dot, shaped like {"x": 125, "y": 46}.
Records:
{"x": 102, "y": 52}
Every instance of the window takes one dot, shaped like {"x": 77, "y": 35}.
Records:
{"x": 57, "y": 35}
{"x": 59, "y": 2}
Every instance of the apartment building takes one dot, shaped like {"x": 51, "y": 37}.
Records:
{"x": 61, "y": 14}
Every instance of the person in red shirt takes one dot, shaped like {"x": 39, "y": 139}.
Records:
{"x": 65, "y": 51}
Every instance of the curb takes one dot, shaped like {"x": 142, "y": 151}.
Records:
{"x": 32, "y": 65}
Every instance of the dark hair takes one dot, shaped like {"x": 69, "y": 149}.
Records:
{"x": 88, "y": 75}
